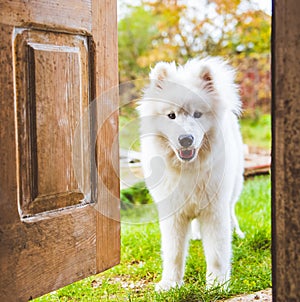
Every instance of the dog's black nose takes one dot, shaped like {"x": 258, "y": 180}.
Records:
{"x": 186, "y": 140}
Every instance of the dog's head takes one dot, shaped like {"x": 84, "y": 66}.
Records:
{"x": 184, "y": 104}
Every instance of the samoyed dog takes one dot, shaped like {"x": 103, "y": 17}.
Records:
{"x": 192, "y": 157}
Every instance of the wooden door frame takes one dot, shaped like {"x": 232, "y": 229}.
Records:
{"x": 285, "y": 150}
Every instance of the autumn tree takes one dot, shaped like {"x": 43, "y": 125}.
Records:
{"x": 171, "y": 30}
{"x": 136, "y": 33}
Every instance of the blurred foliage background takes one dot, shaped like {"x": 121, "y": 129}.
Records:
{"x": 173, "y": 30}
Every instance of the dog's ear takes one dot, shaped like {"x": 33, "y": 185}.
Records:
{"x": 206, "y": 77}
{"x": 159, "y": 73}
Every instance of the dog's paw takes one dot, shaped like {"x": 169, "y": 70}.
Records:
{"x": 166, "y": 285}
{"x": 239, "y": 233}
{"x": 220, "y": 282}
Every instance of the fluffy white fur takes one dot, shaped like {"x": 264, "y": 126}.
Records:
{"x": 199, "y": 178}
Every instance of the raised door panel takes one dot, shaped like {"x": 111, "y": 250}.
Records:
{"x": 52, "y": 94}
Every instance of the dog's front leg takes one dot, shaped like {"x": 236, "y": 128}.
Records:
{"x": 174, "y": 245}
{"x": 216, "y": 237}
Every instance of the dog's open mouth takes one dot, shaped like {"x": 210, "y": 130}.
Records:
{"x": 186, "y": 154}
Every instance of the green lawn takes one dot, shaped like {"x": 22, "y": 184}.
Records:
{"x": 256, "y": 132}
{"x": 140, "y": 268}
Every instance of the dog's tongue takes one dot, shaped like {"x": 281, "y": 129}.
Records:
{"x": 186, "y": 154}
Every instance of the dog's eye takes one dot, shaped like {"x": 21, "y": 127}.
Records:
{"x": 197, "y": 114}
{"x": 172, "y": 116}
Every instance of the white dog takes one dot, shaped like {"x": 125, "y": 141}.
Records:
{"x": 192, "y": 158}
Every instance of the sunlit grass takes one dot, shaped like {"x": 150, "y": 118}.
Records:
{"x": 140, "y": 267}
{"x": 256, "y": 132}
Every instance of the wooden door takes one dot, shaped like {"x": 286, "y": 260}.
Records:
{"x": 57, "y": 58}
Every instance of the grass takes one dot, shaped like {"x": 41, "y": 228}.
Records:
{"x": 140, "y": 268}
{"x": 256, "y": 132}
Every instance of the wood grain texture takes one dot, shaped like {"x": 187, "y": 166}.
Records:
{"x": 43, "y": 90}
{"x": 55, "y": 68}
{"x": 107, "y": 153}
{"x": 43, "y": 258}
{"x": 286, "y": 151}
{"x": 63, "y": 15}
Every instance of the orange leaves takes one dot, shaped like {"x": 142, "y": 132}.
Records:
{"x": 169, "y": 30}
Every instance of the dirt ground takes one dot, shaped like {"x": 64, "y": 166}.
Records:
{"x": 261, "y": 296}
